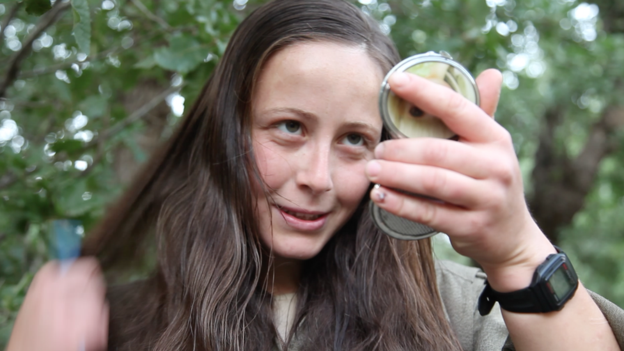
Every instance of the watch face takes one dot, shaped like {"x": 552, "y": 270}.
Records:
{"x": 561, "y": 283}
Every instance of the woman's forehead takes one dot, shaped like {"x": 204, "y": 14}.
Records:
{"x": 334, "y": 58}
{"x": 324, "y": 78}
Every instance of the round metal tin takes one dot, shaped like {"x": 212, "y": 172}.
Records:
{"x": 399, "y": 227}
{"x": 404, "y": 120}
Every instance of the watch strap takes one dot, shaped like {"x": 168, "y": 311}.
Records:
{"x": 523, "y": 301}
{"x": 531, "y": 299}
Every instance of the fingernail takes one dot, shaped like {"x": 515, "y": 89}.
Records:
{"x": 373, "y": 168}
{"x": 378, "y": 194}
{"x": 379, "y": 150}
{"x": 398, "y": 80}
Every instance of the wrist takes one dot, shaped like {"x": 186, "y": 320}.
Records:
{"x": 554, "y": 283}
{"x": 517, "y": 273}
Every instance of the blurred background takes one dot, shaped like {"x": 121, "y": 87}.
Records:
{"x": 89, "y": 88}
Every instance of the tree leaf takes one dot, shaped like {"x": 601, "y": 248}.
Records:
{"x": 70, "y": 146}
{"x": 94, "y": 105}
{"x": 37, "y": 7}
{"x": 146, "y": 63}
{"x": 182, "y": 55}
{"x": 70, "y": 201}
{"x": 82, "y": 25}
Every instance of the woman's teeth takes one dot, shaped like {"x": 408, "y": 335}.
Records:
{"x": 305, "y": 217}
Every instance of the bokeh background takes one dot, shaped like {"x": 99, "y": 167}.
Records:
{"x": 89, "y": 88}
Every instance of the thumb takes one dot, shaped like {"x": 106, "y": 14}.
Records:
{"x": 489, "y": 83}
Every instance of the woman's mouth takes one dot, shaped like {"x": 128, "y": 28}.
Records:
{"x": 301, "y": 220}
{"x": 300, "y": 215}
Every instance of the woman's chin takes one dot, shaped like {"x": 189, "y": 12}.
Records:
{"x": 297, "y": 248}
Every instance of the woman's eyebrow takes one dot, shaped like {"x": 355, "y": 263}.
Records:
{"x": 291, "y": 110}
{"x": 357, "y": 125}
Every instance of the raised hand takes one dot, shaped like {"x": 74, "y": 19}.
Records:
{"x": 64, "y": 310}
{"x": 477, "y": 180}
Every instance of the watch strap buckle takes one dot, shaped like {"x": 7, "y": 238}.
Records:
{"x": 486, "y": 300}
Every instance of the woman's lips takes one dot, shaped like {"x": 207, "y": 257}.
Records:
{"x": 303, "y": 220}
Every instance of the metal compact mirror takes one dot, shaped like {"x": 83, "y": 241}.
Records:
{"x": 404, "y": 120}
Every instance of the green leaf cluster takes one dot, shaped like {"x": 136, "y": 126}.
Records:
{"x": 82, "y": 25}
{"x": 37, "y": 7}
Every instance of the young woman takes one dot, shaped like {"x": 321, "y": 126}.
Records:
{"x": 256, "y": 214}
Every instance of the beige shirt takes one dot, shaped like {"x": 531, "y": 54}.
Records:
{"x": 284, "y": 307}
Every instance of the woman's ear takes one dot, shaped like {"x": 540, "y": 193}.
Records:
{"x": 490, "y": 82}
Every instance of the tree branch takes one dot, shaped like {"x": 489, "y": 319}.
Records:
{"x": 134, "y": 117}
{"x": 150, "y": 15}
{"x": 9, "y": 17}
{"x": 9, "y": 178}
{"x": 598, "y": 145}
{"x": 15, "y": 61}
{"x": 137, "y": 115}
{"x": 561, "y": 183}
{"x": 64, "y": 65}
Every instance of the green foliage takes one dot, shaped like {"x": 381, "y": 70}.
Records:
{"x": 37, "y": 7}
{"x": 62, "y": 143}
{"x": 64, "y": 147}
{"x": 82, "y": 25}
{"x": 182, "y": 55}
{"x": 597, "y": 237}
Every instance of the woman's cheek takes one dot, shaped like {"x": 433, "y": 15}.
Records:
{"x": 353, "y": 183}
{"x": 267, "y": 160}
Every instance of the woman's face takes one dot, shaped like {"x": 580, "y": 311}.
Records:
{"x": 315, "y": 125}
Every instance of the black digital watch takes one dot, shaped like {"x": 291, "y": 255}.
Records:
{"x": 554, "y": 283}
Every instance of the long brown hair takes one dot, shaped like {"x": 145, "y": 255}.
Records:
{"x": 194, "y": 201}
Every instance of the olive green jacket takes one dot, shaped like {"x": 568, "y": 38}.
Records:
{"x": 460, "y": 288}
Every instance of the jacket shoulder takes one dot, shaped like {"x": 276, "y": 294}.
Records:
{"x": 460, "y": 287}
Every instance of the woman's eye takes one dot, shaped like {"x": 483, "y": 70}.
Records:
{"x": 291, "y": 127}
{"x": 354, "y": 140}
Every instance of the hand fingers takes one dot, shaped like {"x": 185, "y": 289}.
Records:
{"x": 438, "y": 183}
{"x": 82, "y": 278}
{"x": 489, "y": 83}
{"x": 103, "y": 326}
{"x": 440, "y": 216}
{"x": 83, "y": 267}
{"x": 92, "y": 313}
{"x": 85, "y": 287}
{"x": 68, "y": 310}
{"x": 460, "y": 115}
{"x": 447, "y": 154}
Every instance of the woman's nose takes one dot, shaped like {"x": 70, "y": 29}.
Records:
{"x": 315, "y": 170}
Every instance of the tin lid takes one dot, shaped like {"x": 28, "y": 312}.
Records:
{"x": 398, "y": 227}
{"x": 404, "y": 120}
